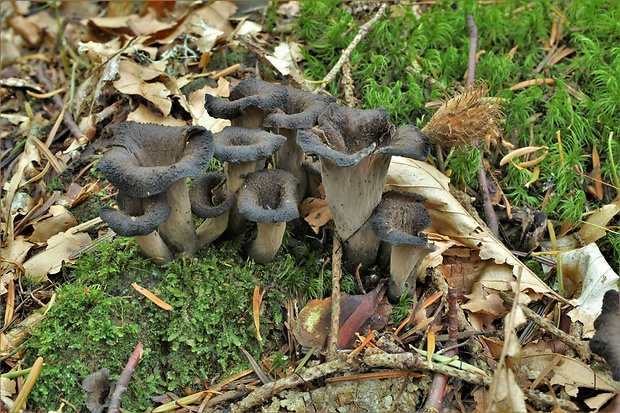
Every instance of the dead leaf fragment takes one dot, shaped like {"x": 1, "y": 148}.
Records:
{"x": 315, "y": 212}
{"x": 59, "y": 249}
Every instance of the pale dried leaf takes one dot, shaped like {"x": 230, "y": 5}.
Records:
{"x": 132, "y": 81}
{"x": 483, "y": 301}
{"x": 449, "y": 218}
{"x": 197, "y": 106}
{"x": 58, "y": 220}
{"x": 569, "y": 372}
{"x": 587, "y": 267}
{"x": 315, "y": 212}
{"x": 143, "y": 115}
{"x": 59, "y": 249}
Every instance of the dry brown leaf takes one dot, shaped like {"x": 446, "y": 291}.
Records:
{"x": 483, "y": 301}
{"x": 59, "y": 219}
{"x": 197, "y": 106}
{"x": 59, "y": 249}
{"x": 133, "y": 81}
{"x": 505, "y": 393}
{"x": 450, "y": 219}
{"x": 315, "y": 212}
{"x": 154, "y": 299}
{"x": 143, "y": 115}
{"x": 587, "y": 267}
{"x": 569, "y": 372}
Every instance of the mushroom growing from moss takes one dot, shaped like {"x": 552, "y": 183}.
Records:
{"x": 399, "y": 222}
{"x": 148, "y": 159}
{"x": 211, "y": 201}
{"x": 248, "y": 103}
{"x": 355, "y": 147}
{"x": 269, "y": 198}
{"x": 301, "y": 111}
{"x": 244, "y": 150}
{"x": 139, "y": 218}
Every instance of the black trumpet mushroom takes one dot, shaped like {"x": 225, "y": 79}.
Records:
{"x": 355, "y": 148}
{"x": 269, "y": 198}
{"x": 147, "y": 159}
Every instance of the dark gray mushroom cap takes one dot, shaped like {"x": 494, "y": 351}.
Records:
{"x": 146, "y": 159}
{"x": 399, "y": 222}
{"x": 236, "y": 144}
{"x": 251, "y": 92}
{"x": 410, "y": 142}
{"x": 606, "y": 340}
{"x": 312, "y": 141}
{"x": 346, "y": 135}
{"x": 268, "y": 196}
{"x": 136, "y": 216}
{"x": 208, "y": 197}
{"x": 301, "y": 110}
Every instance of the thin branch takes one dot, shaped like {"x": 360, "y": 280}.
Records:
{"x": 332, "y": 345}
{"x": 123, "y": 380}
{"x": 47, "y": 85}
{"x": 362, "y": 32}
{"x": 579, "y": 346}
{"x": 473, "y": 46}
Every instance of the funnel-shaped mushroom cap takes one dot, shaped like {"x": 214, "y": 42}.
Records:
{"x": 410, "y": 142}
{"x": 346, "y": 135}
{"x": 146, "y": 159}
{"x": 268, "y": 196}
{"x": 249, "y": 93}
{"x": 606, "y": 341}
{"x": 136, "y": 216}
{"x": 236, "y": 144}
{"x": 399, "y": 222}
{"x": 301, "y": 110}
{"x": 208, "y": 197}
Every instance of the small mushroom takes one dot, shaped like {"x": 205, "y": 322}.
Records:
{"x": 269, "y": 198}
{"x": 243, "y": 150}
{"x": 139, "y": 218}
{"x": 399, "y": 222}
{"x": 148, "y": 159}
{"x": 212, "y": 202}
{"x": 355, "y": 147}
{"x": 301, "y": 111}
{"x": 248, "y": 103}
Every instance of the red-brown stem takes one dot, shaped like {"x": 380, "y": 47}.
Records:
{"x": 489, "y": 212}
{"x": 123, "y": 380}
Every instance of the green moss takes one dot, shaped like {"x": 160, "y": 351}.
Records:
{"x": 99, "y": 318}
{"x": 406, "y": 61}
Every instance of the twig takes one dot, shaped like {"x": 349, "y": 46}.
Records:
{"x": 489, "y": 212}
{"x": 332, "y": 346}
{"x": 436, "y": 394}
{"x": 362, "y": 32}
{"x": 123, "y": 380}
{"x": 579, "y": 346}
{"x": 47, "y": 85}
{"x": 264, "y": 393}
{"x": 473, "y": 45}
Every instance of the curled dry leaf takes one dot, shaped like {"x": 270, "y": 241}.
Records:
{"x": 587, "y": 267}
{"x": 315, "y": 212}
{"x": 449, "y": 218}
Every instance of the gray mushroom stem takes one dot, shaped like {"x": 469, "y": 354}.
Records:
{"x": 211, "y": 229}
{"x": 290, "y": 158}
{"x": 154, "y": 247}
{"x": 267, "y": 242}
{"x": 352, "y": 194}
{"x": 236, "y": 173}
{"x": 404, "y": 263}
{"x": 179, "y": 231}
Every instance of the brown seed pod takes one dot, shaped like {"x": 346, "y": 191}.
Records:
{"x": 465, "y": 118}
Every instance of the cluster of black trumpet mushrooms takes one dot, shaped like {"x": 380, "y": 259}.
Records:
{"x": 150, "y": 164}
